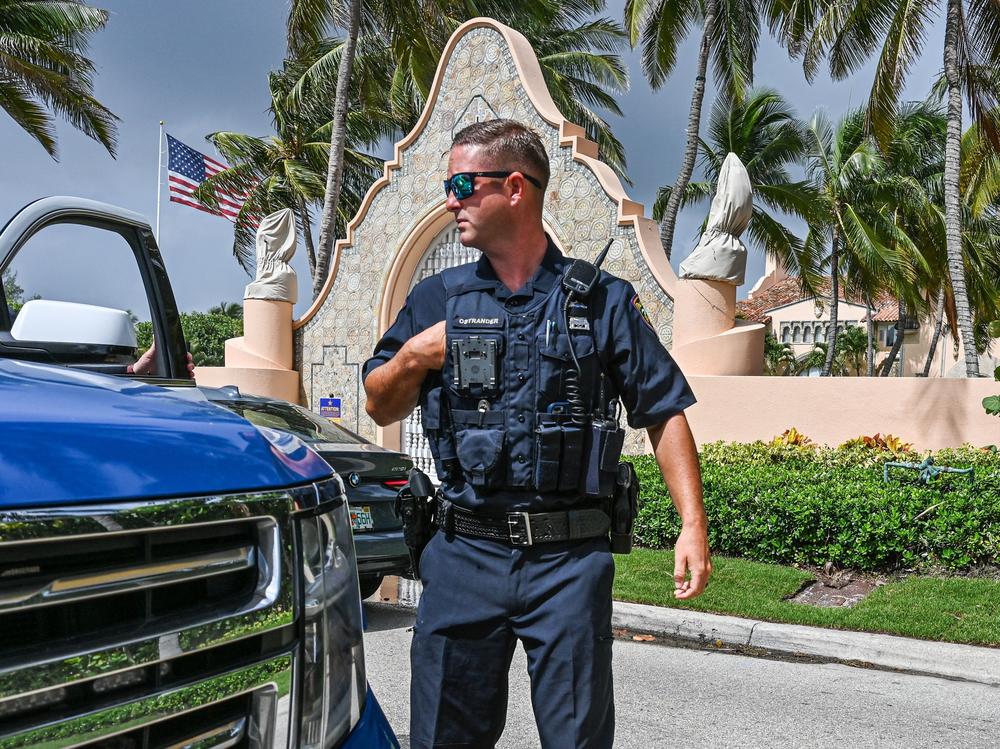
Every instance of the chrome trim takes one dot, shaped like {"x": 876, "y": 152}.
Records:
{"x": 272, "y": 677}
{"x": 66, "y": 589}
{"x": 220, "y": 737}
{"x": 271, "y": 605}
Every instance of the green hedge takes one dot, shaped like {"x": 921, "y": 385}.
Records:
{"x": 205, "y": 333}
{"x": 811, "y": 506}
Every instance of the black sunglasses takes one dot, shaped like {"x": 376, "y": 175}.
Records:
{"x": 463, "y": 183}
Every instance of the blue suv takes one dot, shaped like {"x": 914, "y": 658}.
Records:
{"x": 170, "y": 574}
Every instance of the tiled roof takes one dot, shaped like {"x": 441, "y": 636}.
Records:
{"x": 886, "y": 309}
{"x": 789, "y": 291}
{"x": 784, "y": 292}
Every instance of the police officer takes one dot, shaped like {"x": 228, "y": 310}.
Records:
{"x": 518, "y": 381}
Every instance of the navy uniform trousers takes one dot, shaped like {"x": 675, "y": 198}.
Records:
{"x": 480, "y": 596}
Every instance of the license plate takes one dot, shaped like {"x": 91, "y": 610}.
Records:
{"x": 361, "y": 518}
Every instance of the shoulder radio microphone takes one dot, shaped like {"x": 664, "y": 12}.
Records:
{"x": 580, "y": 277}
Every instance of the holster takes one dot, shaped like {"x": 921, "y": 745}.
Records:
{"x": 624, "y": 509}
{"x": 415, "y": 507}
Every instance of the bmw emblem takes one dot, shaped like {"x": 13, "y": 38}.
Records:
{"x": 354, "y": 480}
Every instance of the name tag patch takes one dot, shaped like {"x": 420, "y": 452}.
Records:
{"x": 478, "y": 322}
{"x": 579, "y": 323}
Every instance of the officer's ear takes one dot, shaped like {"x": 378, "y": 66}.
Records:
{"x": 518, "y": 187}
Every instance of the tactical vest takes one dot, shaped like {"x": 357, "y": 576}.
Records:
{"x": 533, "y": 424}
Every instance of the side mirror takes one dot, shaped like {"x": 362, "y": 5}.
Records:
{"x": 49, "y": 321}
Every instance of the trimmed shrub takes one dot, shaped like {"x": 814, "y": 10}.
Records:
{"x": 205, "y": 333}
{"x": 787, "y": 505}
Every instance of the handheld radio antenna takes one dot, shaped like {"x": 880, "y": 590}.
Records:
{"x": 604, "y": 253}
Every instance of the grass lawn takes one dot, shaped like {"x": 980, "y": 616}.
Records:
{"x": 950, "y": 609}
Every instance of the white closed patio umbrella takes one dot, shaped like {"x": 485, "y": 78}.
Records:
{"x": 720, "y": 255}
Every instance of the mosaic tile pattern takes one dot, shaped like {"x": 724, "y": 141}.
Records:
{"x": 480, "y": 82}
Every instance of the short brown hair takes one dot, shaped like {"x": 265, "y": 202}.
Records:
{"x": 508, "y": 143}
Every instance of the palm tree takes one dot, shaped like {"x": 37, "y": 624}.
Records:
{"x": 730, "y": 32}
{"x": 849, "y": 33}
{"x": 844, "y": 166}
{"x": 308, "y": 22}
{"x": 778, "y": 357}
{"x": 852, "y": 346}
{"x": 917, "y": 158}
{"x": 899, "y": 200}
{"x": 763, "y": 132}
{"x": 227, "y": 309}
{"x": 43, "y": 67}
{"x": 583, "y": 70}
{"x": 288, "y": 170}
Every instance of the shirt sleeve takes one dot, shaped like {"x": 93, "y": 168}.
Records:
{"x": 648, "y": 380}
{"x": 423, "y": 308}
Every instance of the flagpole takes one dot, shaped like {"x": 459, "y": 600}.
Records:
{"x": 159, "y": 175}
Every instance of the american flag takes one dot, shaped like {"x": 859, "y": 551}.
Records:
{"x": 188, "y": 169}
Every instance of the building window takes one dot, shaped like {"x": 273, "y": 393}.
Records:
{"x": 808, "y": 336}
{"x": 786, "y": 333}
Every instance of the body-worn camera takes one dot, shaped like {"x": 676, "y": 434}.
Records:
{"x": 474, "y": 363}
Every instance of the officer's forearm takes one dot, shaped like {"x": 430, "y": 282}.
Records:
{"x": 677, "y": 456}
{"x": 393, "y": 388}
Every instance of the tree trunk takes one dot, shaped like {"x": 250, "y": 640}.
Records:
{"x": 335, "y": 169}
{"x": 694, "y": 123}
{"x": 938, "y": 324}
{"x": 952, "y": 201}
{"x": 896, "y": 345}
{"x": 307, "y": 238}
{"x": 870, "y": 326}
{"x": 831, "y": 339}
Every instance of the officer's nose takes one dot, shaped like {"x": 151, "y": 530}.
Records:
{"x": 451, "y": 202}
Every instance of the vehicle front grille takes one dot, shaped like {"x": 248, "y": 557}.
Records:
{"x": 223, "y": 724}
{"x": 76, "y": 590}
{"x": 107, "y": 606}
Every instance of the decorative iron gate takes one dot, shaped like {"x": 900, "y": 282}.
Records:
{"x": 446, "y": 251}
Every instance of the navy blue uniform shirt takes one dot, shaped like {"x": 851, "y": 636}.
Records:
{"x": 642, "y": 373}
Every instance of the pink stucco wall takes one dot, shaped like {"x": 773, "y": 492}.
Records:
{"x": 930, "y": 413}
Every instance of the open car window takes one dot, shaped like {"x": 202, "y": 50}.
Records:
{"x": 291, "y": 418}
{"x": 75, "y": 293}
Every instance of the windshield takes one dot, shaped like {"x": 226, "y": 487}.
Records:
{"x": 301, "y": 422}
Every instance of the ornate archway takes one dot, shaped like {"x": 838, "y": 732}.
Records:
{"x": 487, "y": 70}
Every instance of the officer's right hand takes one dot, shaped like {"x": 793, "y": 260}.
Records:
{"x": 428, "y": 346}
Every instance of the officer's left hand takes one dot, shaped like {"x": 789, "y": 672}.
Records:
{"x": 691, "y": 555}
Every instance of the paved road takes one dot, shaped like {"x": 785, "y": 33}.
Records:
{"x": 671, "y": 697}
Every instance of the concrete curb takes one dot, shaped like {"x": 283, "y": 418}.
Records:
{"x": 943, "y": 659}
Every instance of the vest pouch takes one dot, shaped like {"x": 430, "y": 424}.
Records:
{"x": 548, "y": 447}
{"x": 572, "y": 454}
{"x": 556, "y": 360}
{"x": 439, "y": 436}
{"x": 603, "y": 450}
{"x": 479, "y": 452}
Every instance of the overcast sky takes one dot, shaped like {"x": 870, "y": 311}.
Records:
{"x": 201, "y": 65}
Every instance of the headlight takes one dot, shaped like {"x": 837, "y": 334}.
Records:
{"x": 333, "y": 662}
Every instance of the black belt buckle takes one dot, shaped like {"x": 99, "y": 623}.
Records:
{"x": 519, "y": 528}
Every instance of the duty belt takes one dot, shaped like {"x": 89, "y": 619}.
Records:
{"x": 528, "y": 529}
